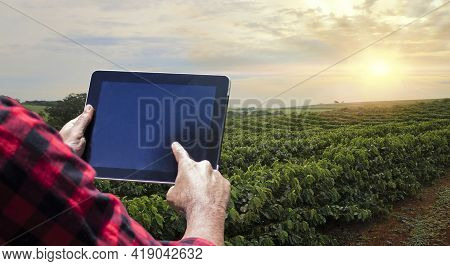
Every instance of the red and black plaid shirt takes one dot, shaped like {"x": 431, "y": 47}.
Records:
{"x": 47, "y": 194}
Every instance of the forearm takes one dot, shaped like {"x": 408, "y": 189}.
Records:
{"x": 207, "y": 223}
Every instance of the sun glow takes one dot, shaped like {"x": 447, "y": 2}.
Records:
{"x": 379, "y": 68}
{"x": 379, "y": 73}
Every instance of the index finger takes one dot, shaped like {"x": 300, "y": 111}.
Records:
{"x": 179, "y": 152}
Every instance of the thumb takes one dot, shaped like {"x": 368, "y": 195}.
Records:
{"x": 179, "y": 152}
{"x": 84, "y": 119}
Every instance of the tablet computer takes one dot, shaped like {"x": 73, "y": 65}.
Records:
{"x": 139, "y": 115}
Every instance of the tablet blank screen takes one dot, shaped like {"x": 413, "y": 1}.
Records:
{"x": 136, "y": 123}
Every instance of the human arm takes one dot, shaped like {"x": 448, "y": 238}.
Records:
{"x": 48, "y": 195}
{"x": 201, "y": 194}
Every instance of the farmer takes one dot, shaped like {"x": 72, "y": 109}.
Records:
{"x": 48, "y": 197}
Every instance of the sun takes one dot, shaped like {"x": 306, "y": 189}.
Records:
{"x": 379, "y": 71}
{"x": 379, "y": 68}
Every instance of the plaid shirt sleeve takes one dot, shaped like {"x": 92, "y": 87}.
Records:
{"x": 47, "y": 194}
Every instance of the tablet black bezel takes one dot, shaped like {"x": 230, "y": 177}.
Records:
{"x": 222, "y": 85}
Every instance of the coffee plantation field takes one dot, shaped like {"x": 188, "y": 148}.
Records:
{"x": 296, "y": 173}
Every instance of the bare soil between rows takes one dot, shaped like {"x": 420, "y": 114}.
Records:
{"x": 410, "y": 219}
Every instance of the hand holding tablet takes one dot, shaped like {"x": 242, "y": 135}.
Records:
{"x": 139, "y": 115}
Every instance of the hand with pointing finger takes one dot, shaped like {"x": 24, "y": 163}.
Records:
{"x": 201, "y": 194}
{"x": 73, "y": 132}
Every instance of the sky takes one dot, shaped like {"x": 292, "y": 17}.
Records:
{"x": 265, "y": 47}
